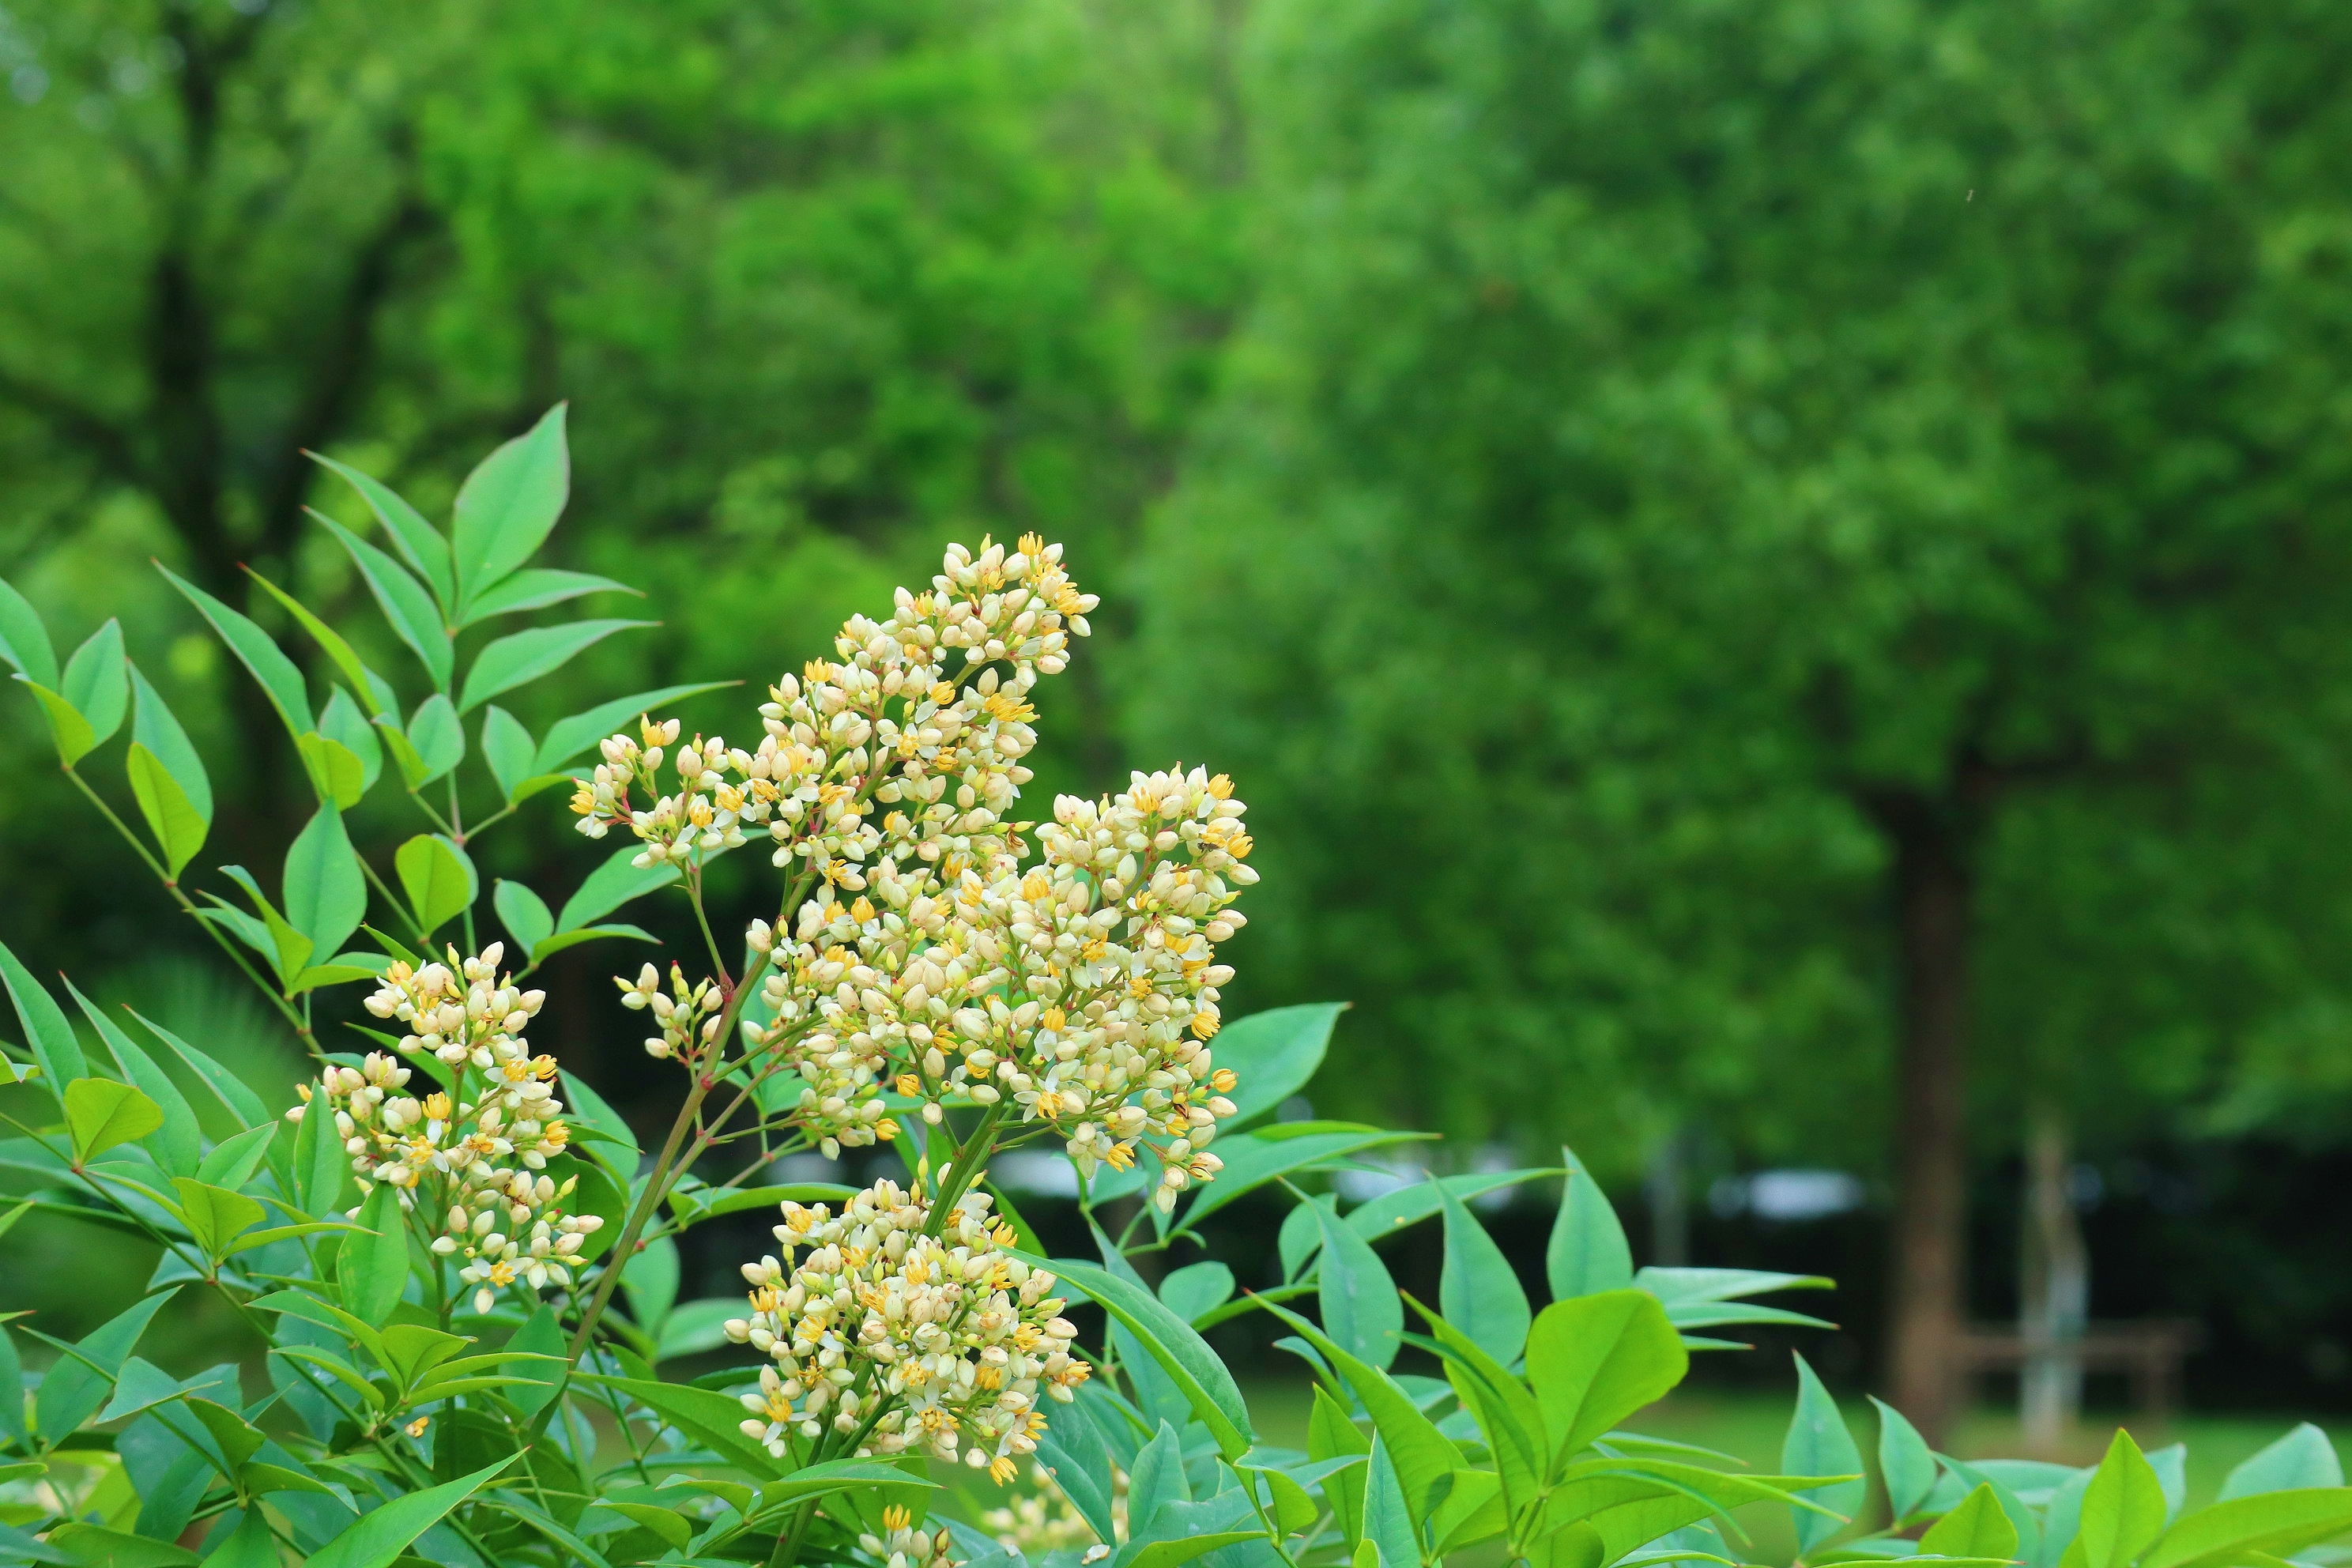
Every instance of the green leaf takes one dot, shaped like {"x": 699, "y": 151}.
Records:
{"x": 1253, "y": 1159}
{"x": 565, "y": 938}
{"x": 1390, "y": 1212}
{"x": 326, "y": 891}
{"x": 1356, "y": 1298}
{"x": 537, "y": 588}
{"x": 567, "y": 737}
{"x": 1817, "y": 1444}
{"x": 46, "y": 1031}
{"x": 338, "y": 777}
{"x": 76, "y": 1387}
{"x": 1422, "y": 1456}
{"x": 319, "y": 1162}
{"x": 343, "y": 721}
{"x": 1506, "y": 1411}
{"x": 410, "y": 611}
{"x": 179, "y": 826}
{"x": 2123, "y": 1510}
{"x": 536, "y": 1382}
{"x": 520, "y": 657}
{"x": 1274, "y": 1054}
{"x": 1978, "y": 1528}
{"x": 175, "y": 1144}
{"x": 23, "y": 640}
{"x": 281, "y": 682}
{"x": 101, "y": 1113}
{"x": 413, "y": 774}
{"x": 711, "y": 1418}
{"x": 1170, "y": 1341}
{"x": 1588, "y": 1252}
{"x": 509, "y": 504}
{"x": 438, "y": 878}
{"x": 243, "y": 1105}
{"x": 436, "y": 738}
{"x": 651, "y": 1279}
{"x": 11, "y": 1375}
{"x": 1197, "y": 1288}
{"x": 2274, "y": 1524}
{"x": 1905, "y": 1463}
{"x": 249, "y": 1545}
{"x": 1596, "y": 1358}
{"x": 215, "y": 1215}
{"x": 418, "y": 542}
{"x": 376, "y": 1539}
{"x": 1390, "y": 1522}
{"x": 102, "y": 1548}
{"x": 74, "y": 738}
{"x": 507, "y": 747}
{"x": 346, "y": 657}
{"x": 374, "y": 1268}
{"x": 98, "y": 681}
{"x": 1479, "y": 1290}
{"x": 523, "y": 914}
{"x": 590, "y": 1107}
{"x": 232, "y": 1161}
{"x": 610, "y": 886}
{"x": 2301, "y": 1459}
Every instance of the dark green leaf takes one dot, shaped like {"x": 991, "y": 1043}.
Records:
{"x": 374, "y": 1268}
{"x": 76, "y": 1386}
{"x": 376, "y": 1539}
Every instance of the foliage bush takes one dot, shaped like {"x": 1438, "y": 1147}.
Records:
{"x": 460, "y": 1266}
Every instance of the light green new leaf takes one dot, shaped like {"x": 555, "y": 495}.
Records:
{"x": 438, "y": 878}
{"x": 524, "y": 914}
{"x": 537, "y": 588}
{"x": 567, "y": 737}
{"x": 1905, "y": 1463}
{"x": 413, "y": 774}
{"x": 101, "y": 1113}
{"x": 216, "y": 1216}
{"x": 509, "y": 504}
{"x": 435, "y": 738}
{"x": 1596, "y": 1358}
{"x": 1978, "y": 1528}
{"x": 508, "y": 747}
{"x": 326, "y": 890}
{"x": 46, "y": 1031}
{"x": 415, "y": 619}
{"x": 610, "y": 886}
{"x": 376, "y": 1539}
{"x": 338, "y": 776}
{"x": 71, "y": 732}
{"x": 2273, "y": 1524}
{"x": 97, "y": 681}
{"x": 343, "y": 721}
{"x": 1196, "y": 1369}
{"x": 281, "y": 682}
{"x": 418, "y": 541}
{"x": 2123, "y": 1510}
{"x": 2302, "y": 1459}
{"x": 23, "y": 640}
{"x": 1817, "y": 1444}
{"x": 1356, "y": 1298}
{"x": 520, "y": 657}
{"x": 374, "y": 1268}
{"x": 1587, "y": 1251}
{"x": 180, "y": 829}
{"x": 1477, "y": 1290}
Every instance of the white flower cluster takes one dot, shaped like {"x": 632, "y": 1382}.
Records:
{"x": 899, "y": 1339}
{"x": 474, "y": 1165}
{"x": 901, "y": 1545}
{"x": 688, "y": 1015}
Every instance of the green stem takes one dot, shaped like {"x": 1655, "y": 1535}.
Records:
{"x": 424, "y": 940}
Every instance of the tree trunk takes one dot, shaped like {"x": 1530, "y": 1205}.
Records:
{"x": 1932, "y": 907}
{"x": 2054, "y": 1299}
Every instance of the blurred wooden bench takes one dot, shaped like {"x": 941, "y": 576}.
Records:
{"x": 2147, "y": 1351}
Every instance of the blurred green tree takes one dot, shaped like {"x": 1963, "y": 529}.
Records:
{"x": 1759, "y": 544}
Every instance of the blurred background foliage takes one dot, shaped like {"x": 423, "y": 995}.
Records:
{"x": 1774, "y": 574}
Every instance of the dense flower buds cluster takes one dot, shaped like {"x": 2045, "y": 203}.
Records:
{"x": 688, "y": 1015}
{"x": 475, "y": 1164}
{"x": 1078, "y": 991}
{"x": 901, "y": 1339}
{"x": 901, "y": 1545}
